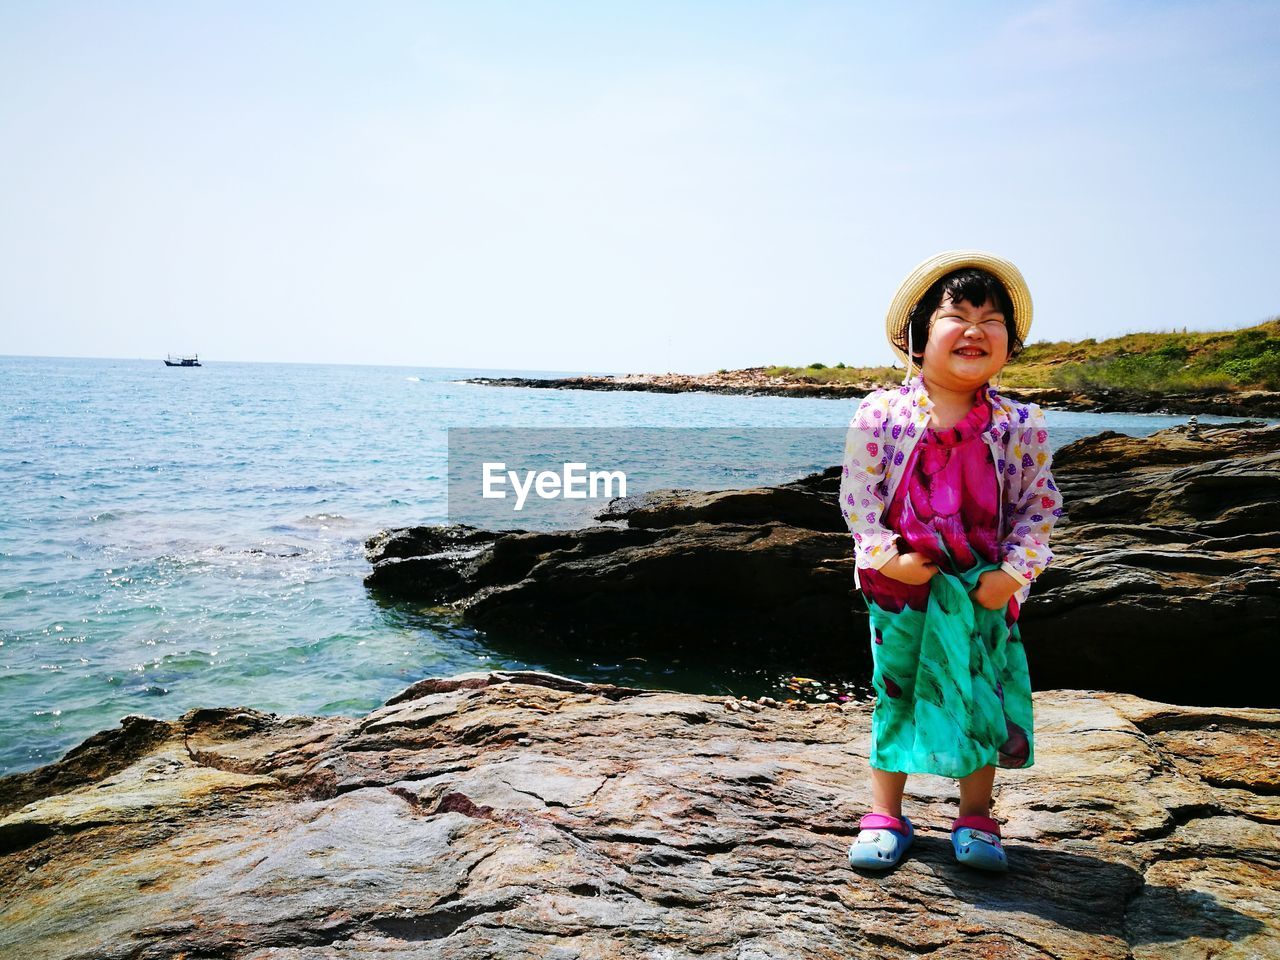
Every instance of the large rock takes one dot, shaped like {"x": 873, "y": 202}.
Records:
{"x": 708, "y": 567}
{"x": 1166, "y": 581}
{"x": 1167, "y": 574}
{"x": 522, "y": 815}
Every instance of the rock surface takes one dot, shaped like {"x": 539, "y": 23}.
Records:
{"x": 754, "y": 382}
{"x": 1166, "y": 581}
{"x": 526, "y": 815}
{"x": 1168, "y": 572}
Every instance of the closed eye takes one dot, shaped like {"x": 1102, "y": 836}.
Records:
{"x": 989, "y": 321}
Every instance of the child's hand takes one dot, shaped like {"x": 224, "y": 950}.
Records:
{"x": 910, "y": 568}
{"x": 995, "y": 588}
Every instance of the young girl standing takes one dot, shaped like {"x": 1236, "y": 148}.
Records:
{"x": 946, "y": 488}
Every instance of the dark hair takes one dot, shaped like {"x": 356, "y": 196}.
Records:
{"x": 968, "y": 283}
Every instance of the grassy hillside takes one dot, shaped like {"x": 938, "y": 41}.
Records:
{"x": 1248, "y": 358}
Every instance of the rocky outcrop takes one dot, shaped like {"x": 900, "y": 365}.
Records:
{"x": 1167, "y": 575}
{"x": 1231, "y": 403}
{"x": 749, "y": 382}
{"x": 721, "y": 575}
{"x": 527, "y": 815}
{"x": 754, "y": 382}
{"x": 1166, "y": 581}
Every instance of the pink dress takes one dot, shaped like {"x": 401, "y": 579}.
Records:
{"x": 951, "y": 677}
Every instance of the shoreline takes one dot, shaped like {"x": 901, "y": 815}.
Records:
{"x": 753, "y": 382}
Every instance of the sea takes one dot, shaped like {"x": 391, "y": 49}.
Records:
{"x": 173, "y": 538}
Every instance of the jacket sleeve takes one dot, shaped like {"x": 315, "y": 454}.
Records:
{"x": 865, "y": 462}
{"x": 1035, "y": 506}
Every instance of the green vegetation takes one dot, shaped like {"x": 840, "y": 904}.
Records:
{"x": 837, "y": 374}
{"x": 1248, "y": 358}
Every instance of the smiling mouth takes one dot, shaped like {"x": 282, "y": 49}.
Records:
{"x": 969, "y": 353}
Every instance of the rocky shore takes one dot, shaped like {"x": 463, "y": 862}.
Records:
{"x": 754, "y": 382}
{"x": 1166, "y": 581}
{"x": 527, "y": 815}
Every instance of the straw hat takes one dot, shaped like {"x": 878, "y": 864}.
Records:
{"x": 925, "y": 274}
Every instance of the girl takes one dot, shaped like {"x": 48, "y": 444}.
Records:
{"x": 947, "y": 491}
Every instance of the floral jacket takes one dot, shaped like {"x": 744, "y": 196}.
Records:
{"x": 882, "y": 433}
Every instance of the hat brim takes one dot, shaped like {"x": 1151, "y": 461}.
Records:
{"x": 930, "y": 271}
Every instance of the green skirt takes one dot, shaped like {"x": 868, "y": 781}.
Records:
{"x": 953, "y": 691}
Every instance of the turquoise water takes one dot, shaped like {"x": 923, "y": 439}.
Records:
{"x": 174, "y": 538}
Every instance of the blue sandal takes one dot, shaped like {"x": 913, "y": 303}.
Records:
{"x": 882, "y": 840}
{"x": 976, "y": 842}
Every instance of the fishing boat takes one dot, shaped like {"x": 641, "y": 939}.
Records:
{"x": 172, "y": 361}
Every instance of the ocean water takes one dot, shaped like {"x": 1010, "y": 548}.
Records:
{"x": 172, "y": 538}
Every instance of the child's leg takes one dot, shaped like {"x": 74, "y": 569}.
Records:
{"x": 975, "y": 836}
{"x": 886, "y": 792}
{"x": 975, "y": 792}
{"x": 884, "y": 834}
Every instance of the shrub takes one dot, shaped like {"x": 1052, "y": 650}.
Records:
{"x": 1172, "y": 351}
{"x": 1134, "y": 371}
{"x": 1254, "y": 358}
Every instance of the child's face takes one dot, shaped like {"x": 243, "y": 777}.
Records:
{"x": 957, "y": 330}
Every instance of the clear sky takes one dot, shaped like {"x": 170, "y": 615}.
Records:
{"x": 620, "y": 186}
